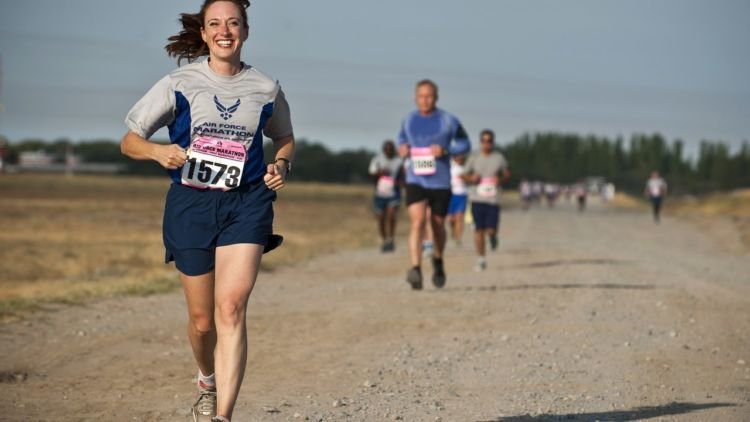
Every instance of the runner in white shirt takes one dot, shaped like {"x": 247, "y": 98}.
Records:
{"x": 524, "y": 190}
{"x": 459, "y": 199}
{"x": 656, "y": 190}
{"x": 387, "y": 171}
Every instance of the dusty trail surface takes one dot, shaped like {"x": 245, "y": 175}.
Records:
{"x": 599, "y": 316}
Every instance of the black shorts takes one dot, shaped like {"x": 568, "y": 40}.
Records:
{"x": 197, "y": 221}
{"x": 437, "y": 199}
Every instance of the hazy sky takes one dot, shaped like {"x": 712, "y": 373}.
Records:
{"x": 681, "y": 67}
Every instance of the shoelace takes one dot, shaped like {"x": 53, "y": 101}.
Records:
{"x": 206, "y": 403}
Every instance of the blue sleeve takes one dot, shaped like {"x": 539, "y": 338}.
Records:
{"x": 402, "y": 138}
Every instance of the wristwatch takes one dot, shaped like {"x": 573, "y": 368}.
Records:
{"x": 287, "y": 163}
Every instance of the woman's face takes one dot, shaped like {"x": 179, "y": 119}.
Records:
{"x": 224, "y": 31}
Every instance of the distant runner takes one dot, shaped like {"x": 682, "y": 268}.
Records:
{"x": 459, "y": 199}
{"x": 524, "y": 190}
{"x": 486, "y": 170}
{"x": 387, "y": 171}
{"x": 426, "y": 136}
{"x": 580, "y": 192}
{"x": 656, "y": 190}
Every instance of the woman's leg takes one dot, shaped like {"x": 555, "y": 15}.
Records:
{"x": 236, "y": 270}
{"x": 199, "y": 296}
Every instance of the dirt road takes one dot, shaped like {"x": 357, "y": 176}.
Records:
{"x": 600, "y": 316}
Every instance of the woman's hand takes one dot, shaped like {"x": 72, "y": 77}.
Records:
{"x": 275, "y": 177}
{"x": 171, "y": 156}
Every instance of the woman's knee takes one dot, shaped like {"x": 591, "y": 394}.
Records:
{"x": 230, "y": 312}
{"x": 202, "y": 323}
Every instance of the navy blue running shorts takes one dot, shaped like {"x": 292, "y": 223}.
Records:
{"x": 197, "y": 221}
{"x": 486, "y": 216}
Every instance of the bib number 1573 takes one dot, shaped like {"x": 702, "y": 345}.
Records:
{"x": 214, "y": 164}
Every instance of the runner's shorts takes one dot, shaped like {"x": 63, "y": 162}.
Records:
{"x": 437, "y": 199}
{"x": 486, "y": 216}
{"x": 379, "y": 204}
{"x": 197, "y": 221}
{"x": 457, "y": 204}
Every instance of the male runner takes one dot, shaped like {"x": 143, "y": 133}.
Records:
{"x": 426, "y": 137}
{"x": 486, "y": 170}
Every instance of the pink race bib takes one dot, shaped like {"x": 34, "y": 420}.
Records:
{"x": 386, "y": 187}
{"x": 487, "y": 187}
{"x": 423, "y": 162}
{"x": 214, "y": 164}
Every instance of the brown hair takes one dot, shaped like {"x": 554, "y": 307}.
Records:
{"x": 487, "y": 132}
{"x": 430, "y": 83}
{"x": 189, "y": 44}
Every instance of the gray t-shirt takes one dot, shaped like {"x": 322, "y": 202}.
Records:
{"x": 490, "y": 169}
{"x": 390, "y": 166}
{"x": 387, "y": 185}
{"x": 195, "y": 102}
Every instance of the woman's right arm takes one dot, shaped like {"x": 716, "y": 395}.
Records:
{"x": 170, "y": 156}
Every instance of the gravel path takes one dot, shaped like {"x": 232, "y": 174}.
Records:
{"x": 594, "y": 316}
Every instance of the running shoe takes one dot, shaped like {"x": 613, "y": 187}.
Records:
{"x": 204, "y": 409}
{"x": 220, "y": 419}
{"x": 481, "y": 265}
{"x": 493, "y": 242}
{"x": 438, "y": 275}
{"x": 414, "y": 277}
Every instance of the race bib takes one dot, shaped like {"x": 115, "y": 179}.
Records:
{"x": 214, "y": 164}
{"x": 386, "y": 187}
{"x": 655, "y": 189}
{"x": 487, "y": 187}
{"x": 423, "y": 162}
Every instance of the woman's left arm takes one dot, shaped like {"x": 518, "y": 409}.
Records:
{"x": 277, "y": 171}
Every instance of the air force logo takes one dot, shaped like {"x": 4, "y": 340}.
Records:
{"x": 226, "y": 112}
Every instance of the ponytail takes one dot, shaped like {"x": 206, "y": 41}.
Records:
{"x": 188, "y": 44}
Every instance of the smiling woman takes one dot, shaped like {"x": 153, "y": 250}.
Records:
{"x": 223, "y": 34}
{"x": 218, "y": 218}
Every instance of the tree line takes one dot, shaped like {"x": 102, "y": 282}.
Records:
{"x": 566, "y": 158}
{"x": 547, "y": 156}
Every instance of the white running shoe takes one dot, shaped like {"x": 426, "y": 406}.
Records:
{"x": 204, "y": 408}
{"x": 481, "y": 265}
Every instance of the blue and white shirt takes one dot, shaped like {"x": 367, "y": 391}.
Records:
{"x": 439, "y": 128}
{"x": 194, "y": 101}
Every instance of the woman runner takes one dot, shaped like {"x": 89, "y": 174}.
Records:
{"x": 218, "y": 215}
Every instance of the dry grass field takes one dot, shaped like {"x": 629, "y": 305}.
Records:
{"x": 72, "y": 239}
{"x": 76, "y": 238}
